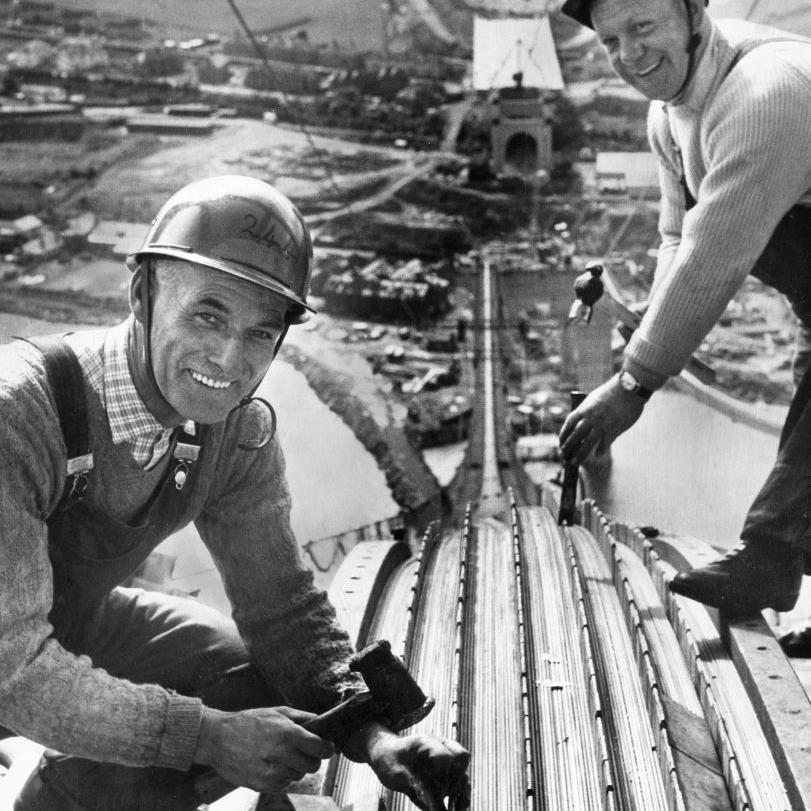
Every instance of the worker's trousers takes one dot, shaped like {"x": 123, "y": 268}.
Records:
{"x": 151, "y": 638}
{"x": 781, "y": 512}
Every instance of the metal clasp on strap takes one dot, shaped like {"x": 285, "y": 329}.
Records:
{"x": 185, "y": 454}
{"x": 77, "y": 469}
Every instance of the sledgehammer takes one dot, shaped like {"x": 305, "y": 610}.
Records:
{"x": 393, "y": 697}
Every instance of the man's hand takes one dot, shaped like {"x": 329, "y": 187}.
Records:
{"x": 263, "y": 749}
{"x": 605, "y": 414}
{"x": 639, "y": 308}
{"x": 424, "y": 768}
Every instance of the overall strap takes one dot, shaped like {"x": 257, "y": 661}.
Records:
{"x": 689, "y": 200}
{"x": 67, "y": 384}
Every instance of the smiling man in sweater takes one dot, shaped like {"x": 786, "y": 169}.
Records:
{"x": 729, "y": 123}
{"x": 111, "y": 440}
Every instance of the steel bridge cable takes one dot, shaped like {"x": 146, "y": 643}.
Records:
{"x": 640, "y": 784}
{"x": 752, "y": 775}
{"x": 750, "y": 772}
{"x": 566, "y": 729}
{"x": 434, "y": 661}
{"x": 532, "y": 49}
{"x": 355, "y": 782}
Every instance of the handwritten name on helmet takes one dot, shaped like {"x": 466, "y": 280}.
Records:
{"x": 239, "y": 225}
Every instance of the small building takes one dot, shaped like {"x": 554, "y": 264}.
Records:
{"x": 381, "y": 291}
{"x": 160, "y": 124}
{"x": 441, "y": 342}
{"x": 115, "y": 238}
{"x": 46, "y": 242}
{"x": 27, "y": 225}
{"x": 62, "y": 122}
{"x": 634, "y": 174}
{"x": 29, "y": 238}
{"x": 191, "y": 109}
{"x": 439, "y": 418}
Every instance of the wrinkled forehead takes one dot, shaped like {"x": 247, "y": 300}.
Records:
{"x": 607, "y": 12}
{"x": 188, "y": 282}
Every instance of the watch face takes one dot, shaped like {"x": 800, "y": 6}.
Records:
{"x": 627, "y": 381}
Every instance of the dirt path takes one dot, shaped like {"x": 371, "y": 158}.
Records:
{"x": 134, "y": 189}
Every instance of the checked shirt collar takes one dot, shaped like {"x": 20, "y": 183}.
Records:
{"x": 130, "y": 421}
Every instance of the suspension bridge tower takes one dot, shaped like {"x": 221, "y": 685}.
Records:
{"x": 514, "y": 59}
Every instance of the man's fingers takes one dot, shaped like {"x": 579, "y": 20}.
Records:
{"x": 439, "y": 775}
{"x": 302, "y": 763}
{"x": 307, "y": 743}
{"x": 459, "y": 800}
{"x": 422, "y": 795}
{"x": 583, "y": 437}
{"x": 315, "y": 747}
{"x": 297, "y": 716}
{"x": 569, "y": 424}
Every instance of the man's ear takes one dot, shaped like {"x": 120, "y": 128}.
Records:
{"x": 137, "y": 292}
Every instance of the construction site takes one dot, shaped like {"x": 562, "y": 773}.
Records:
{"x": 457, "y": 177}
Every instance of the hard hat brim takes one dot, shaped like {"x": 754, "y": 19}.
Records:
{"x": 579, "y": 10}
{"x": 240, "y": 272}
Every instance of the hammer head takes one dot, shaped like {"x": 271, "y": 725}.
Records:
{"x": 588, "y": 287}
{"x": 393, "y": 688}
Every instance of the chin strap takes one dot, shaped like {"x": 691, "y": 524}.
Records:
{"x": 266, "y": 427}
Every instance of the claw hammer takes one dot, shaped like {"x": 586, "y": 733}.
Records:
{"x": 590, "y": 286}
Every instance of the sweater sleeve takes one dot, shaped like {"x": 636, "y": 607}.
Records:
{"x": 289, "y": 626}
{"x": 758, "y": 157}
{"x": 671, "y": 207}
{"x": 46, "y": 693}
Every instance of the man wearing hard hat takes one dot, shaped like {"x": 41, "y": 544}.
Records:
{"x": 111, "y": 440}
{"x": 729, "y": 121}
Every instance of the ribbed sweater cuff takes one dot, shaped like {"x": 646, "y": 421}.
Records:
{"x": 651, "y": 365}
{"x": 646, "y": 377}
{"x": 183, "y": 718}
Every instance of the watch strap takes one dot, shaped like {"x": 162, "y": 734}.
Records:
{"x": 631, "y": 384}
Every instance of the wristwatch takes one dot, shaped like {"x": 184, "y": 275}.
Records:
{"x": 631, "y": 384}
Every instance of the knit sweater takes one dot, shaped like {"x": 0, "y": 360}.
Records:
{"x": 743, "y": 139}
{"x": 240, "y": 504}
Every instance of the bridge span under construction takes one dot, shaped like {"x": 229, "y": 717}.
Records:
{"x": 558, "y": 656}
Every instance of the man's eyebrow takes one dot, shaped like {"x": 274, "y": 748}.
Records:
{"x": 270, "y": 321}
{"x": 214, "y": 303}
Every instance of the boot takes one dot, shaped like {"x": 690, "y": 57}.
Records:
{"x": 747, "y": 579}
